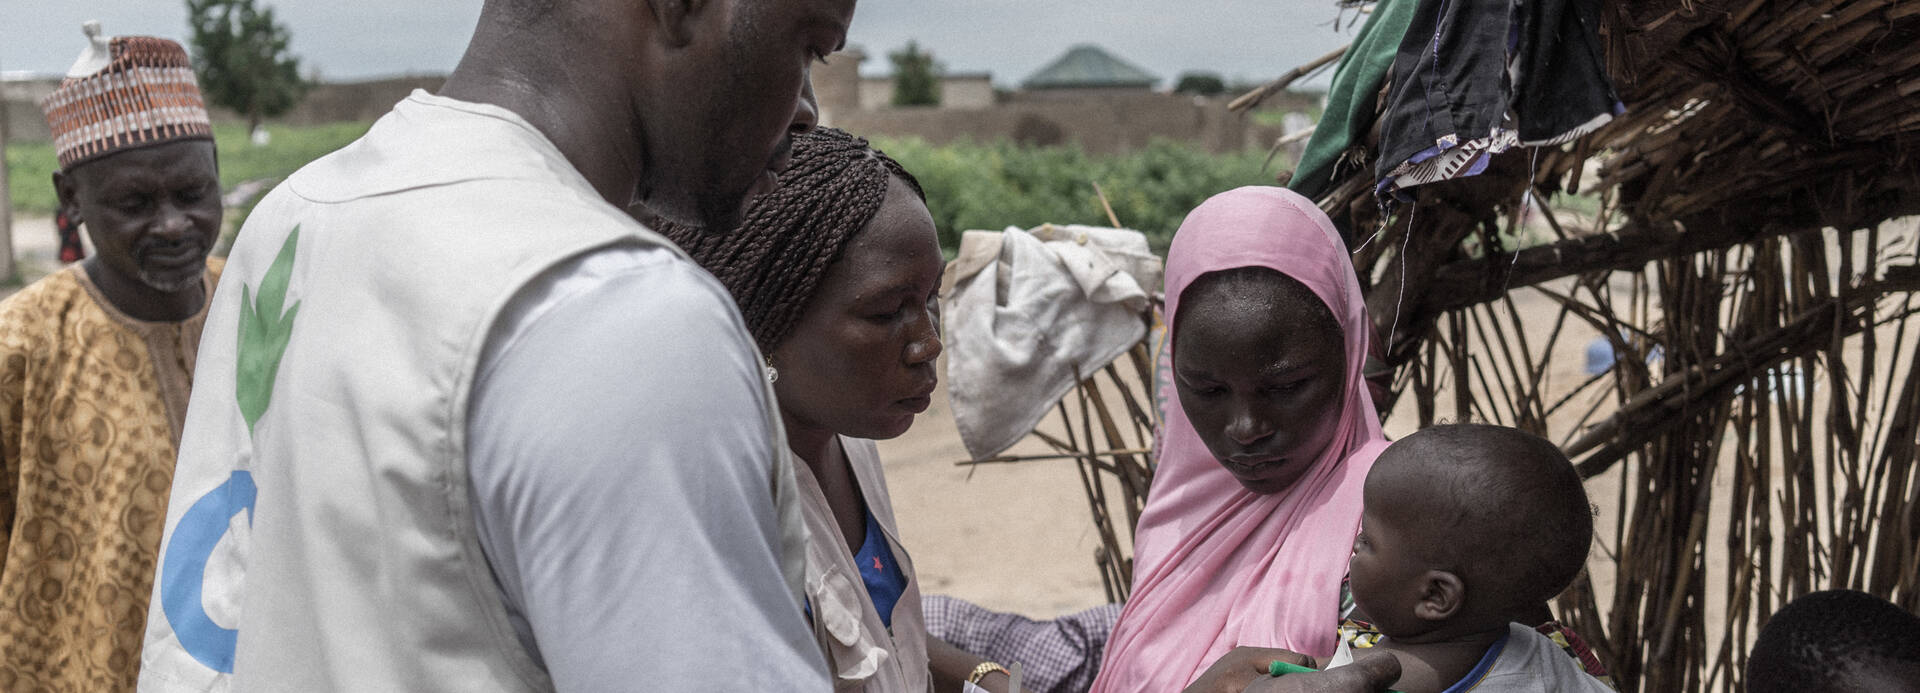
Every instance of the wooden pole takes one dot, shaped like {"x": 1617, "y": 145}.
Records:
{"x": 1259, "y": 94}
{"x": 8, "y": 273}
{"x": 1106, "y": 205}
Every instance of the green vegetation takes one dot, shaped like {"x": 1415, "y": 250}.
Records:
{"x": 291, "y": 148}
{"x": 30, "y": 167}
{"x": 1277, "y": 117}
{"x": 993, "y": 186}
{"x": 240, "y": 54}
{"x": 969, "y": 186}
{"x": 916, "y": 78}
{"x": 1202, "y": 83}
{"x": 31, "y": 164}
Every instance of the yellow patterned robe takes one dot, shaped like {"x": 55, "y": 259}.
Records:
{"x": 91, "y": 406}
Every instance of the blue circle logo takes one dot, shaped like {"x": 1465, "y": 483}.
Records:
{"x": 184, "y": 575}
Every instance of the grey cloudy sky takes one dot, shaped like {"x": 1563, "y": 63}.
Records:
{"x": 1244, "y": 40}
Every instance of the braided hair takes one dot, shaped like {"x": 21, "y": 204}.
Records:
{"x": 773, "y": 262}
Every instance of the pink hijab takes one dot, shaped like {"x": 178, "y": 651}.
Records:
{"x": 1216, "y": 565}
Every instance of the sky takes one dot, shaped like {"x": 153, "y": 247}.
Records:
{"x": 344, "y": 40}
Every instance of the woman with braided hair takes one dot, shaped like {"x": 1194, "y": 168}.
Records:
{"x": 836, "y": 271}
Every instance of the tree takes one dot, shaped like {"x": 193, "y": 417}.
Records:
{"x": 916, "y": 78}
{"x": 240, "y": 54}
{"x": 1201, "y": 83}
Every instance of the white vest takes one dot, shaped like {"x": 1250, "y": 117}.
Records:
{"x": 328, "y": 544}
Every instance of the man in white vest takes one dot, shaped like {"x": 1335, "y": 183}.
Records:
{"x": 461, "y": 424}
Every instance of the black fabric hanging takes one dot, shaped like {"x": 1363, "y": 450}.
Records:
{"x": 1474, "y": 78}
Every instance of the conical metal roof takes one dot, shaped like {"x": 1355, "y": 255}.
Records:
{"x": 1087, "y": 65}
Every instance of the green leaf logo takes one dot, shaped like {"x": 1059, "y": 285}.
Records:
{"x": 264, "y": 331}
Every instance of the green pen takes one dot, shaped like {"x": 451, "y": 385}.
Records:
{"x": 1282, "y": 668}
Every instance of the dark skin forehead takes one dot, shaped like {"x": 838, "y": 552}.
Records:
{"x": 169, "y": 163}
{"x": 1403, "y": 490}
{"x": 1253, "y": 309}
{"x": 894, "y": 254}
{"x": 1400, "y": 487}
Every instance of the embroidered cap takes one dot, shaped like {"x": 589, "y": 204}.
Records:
{"x": 124, "y": 92}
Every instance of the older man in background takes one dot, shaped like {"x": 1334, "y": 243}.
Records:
{"x": 96, "y": 361}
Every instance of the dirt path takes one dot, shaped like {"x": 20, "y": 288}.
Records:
{"x": 36, "y": 248}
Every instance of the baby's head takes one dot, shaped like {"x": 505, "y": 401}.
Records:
{"x": 1837, "y": 641}
{"x": 1466, "y": 526}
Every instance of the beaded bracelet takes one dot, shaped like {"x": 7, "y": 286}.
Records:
{"x": 985, "y": 668}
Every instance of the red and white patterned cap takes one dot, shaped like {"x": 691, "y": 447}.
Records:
{"x": 124, "y": 92}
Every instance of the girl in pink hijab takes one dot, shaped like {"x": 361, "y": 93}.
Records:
{"x": 1248, "y": 529}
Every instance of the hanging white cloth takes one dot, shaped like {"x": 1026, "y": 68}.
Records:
{"x": 1025, "y": 309}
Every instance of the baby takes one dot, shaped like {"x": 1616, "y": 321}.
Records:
{"x": 1838, "y": 641}
{"x": 1465, "y": 528}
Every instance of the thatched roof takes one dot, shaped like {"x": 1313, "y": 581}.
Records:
{"x": 1763, "y": 112}
{"x": 1746, "y": 119}
{"x": 1744, "y": 116}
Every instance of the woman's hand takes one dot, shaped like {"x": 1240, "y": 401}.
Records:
{"x": 950, "y": 666}
{"x": 1372, "y": 674}
{"x": 1233, "y": 671}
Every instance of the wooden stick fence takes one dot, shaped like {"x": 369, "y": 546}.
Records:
{"x": 1109, "y": 437}
{"x": 1755, "y": 437}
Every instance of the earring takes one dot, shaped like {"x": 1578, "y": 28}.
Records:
{"x": 773, "y": 374}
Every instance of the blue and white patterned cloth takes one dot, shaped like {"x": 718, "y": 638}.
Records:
{"x": 1060, "y": 655}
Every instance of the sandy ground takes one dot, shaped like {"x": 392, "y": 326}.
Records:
{"x": 36, "y": 247}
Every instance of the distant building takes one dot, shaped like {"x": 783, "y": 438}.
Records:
{"x": 1087, "y": 98}
{"x": 841, "y": 89}
{"x": 957, "y": 90}
{"x": 1087, "y": 71}
{"x": 22, "y": 94}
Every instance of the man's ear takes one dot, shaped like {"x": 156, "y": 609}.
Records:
{"x": 676, "y": 19}
{"x": 67, "y": 190}
{"x": 1442, "y": 594}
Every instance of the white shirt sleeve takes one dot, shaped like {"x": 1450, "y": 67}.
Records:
{"x": 620, "y": 463}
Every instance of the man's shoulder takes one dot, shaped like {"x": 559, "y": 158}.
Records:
{"x": 53, "y": 294}
{"x": 440, "y": 148}
{"x": 32, "y": 315}
{"x": 532, "y": 212}
{"x": 438, "y": 174}
{"x": 646, "y": 297}
{"x": 651, "y": 284}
